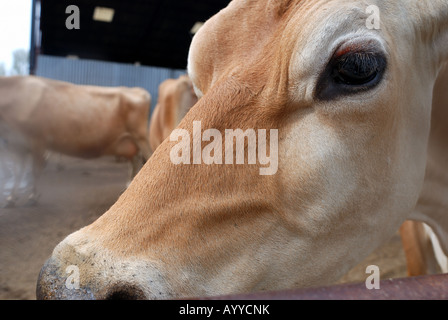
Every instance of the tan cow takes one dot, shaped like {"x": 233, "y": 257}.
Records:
{"x": 352, "y": 106}
{"x": 176, "y": 97}
{"x": 422, "y": 249}
{"x": 80, "y": 121}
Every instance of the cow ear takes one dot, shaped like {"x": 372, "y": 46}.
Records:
{"x": 432, "y": 21}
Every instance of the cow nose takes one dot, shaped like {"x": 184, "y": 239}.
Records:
{"x": 59, "y": 283}
{"x": 122, "y": 291}
{"x": 52, "y": 284}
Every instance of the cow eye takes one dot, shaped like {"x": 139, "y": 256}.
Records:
{"x": 356, "y": 68}
{"x": 351, "y": 72}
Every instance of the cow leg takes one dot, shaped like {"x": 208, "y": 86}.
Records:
{"x": 59, "y": 165}
{"x": 135, "y": 151}
{"x": 145, "y": 149}
{"x": 136, "y": 164}
{"x": 18, "y": 170}
{"x": 139, "y": 159}
{"x": 38, "y": 163}
{"x": 5, "y": 163}
{"x": 57, "y": 159}
{"x": 3, "y": 169}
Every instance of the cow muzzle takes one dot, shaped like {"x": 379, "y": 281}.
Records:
{"x": 82, "y": 281}
{"x": 58, "y": 283}
{"x": 52, "y": 285}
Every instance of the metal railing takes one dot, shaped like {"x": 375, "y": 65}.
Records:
{"x": 431, "y": 287}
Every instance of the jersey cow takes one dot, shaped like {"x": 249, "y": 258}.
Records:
{"x": 176, "y": 97}
{"x": 422, "y": 249}
{"x": 352, "y": 105}
{"x": 39, "y": 114}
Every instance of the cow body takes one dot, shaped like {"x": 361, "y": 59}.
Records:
{"x": 176, "y": 97}
{"x": 80, "y": 121}
{"x": 352, "y": 107}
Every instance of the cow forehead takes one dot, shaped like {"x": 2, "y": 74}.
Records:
{"x": 247, "y": 31}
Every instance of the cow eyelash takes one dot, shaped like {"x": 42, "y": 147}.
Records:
{"x": 350, "y": 72}
{"x": 356, "y": 68}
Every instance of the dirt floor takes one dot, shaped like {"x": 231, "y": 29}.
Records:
{"x": 74, "y": 197}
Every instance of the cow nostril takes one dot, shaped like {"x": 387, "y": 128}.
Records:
{"x": 121, "y": 295}
{"x": 125, "y": 292}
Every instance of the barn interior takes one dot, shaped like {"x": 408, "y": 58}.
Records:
{"x": 148, "y": 32}
{"x": 115, "y": 42}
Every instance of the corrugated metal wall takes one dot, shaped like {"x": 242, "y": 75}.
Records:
{"x": 102, "y": 73}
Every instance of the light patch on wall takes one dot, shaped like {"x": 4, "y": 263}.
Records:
{"x": 196, "y": 27}
{"x": 103, "y": 14}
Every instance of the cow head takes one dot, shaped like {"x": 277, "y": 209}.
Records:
{"x": 352, "y": 107}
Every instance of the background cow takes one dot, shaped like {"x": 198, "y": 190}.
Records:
{"x": 176, "y": 97}
{"x": 422, "y": 249}
{"x": 38, "y": 114}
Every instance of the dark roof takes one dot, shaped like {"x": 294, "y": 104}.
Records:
{"x": 152, "y": 32}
